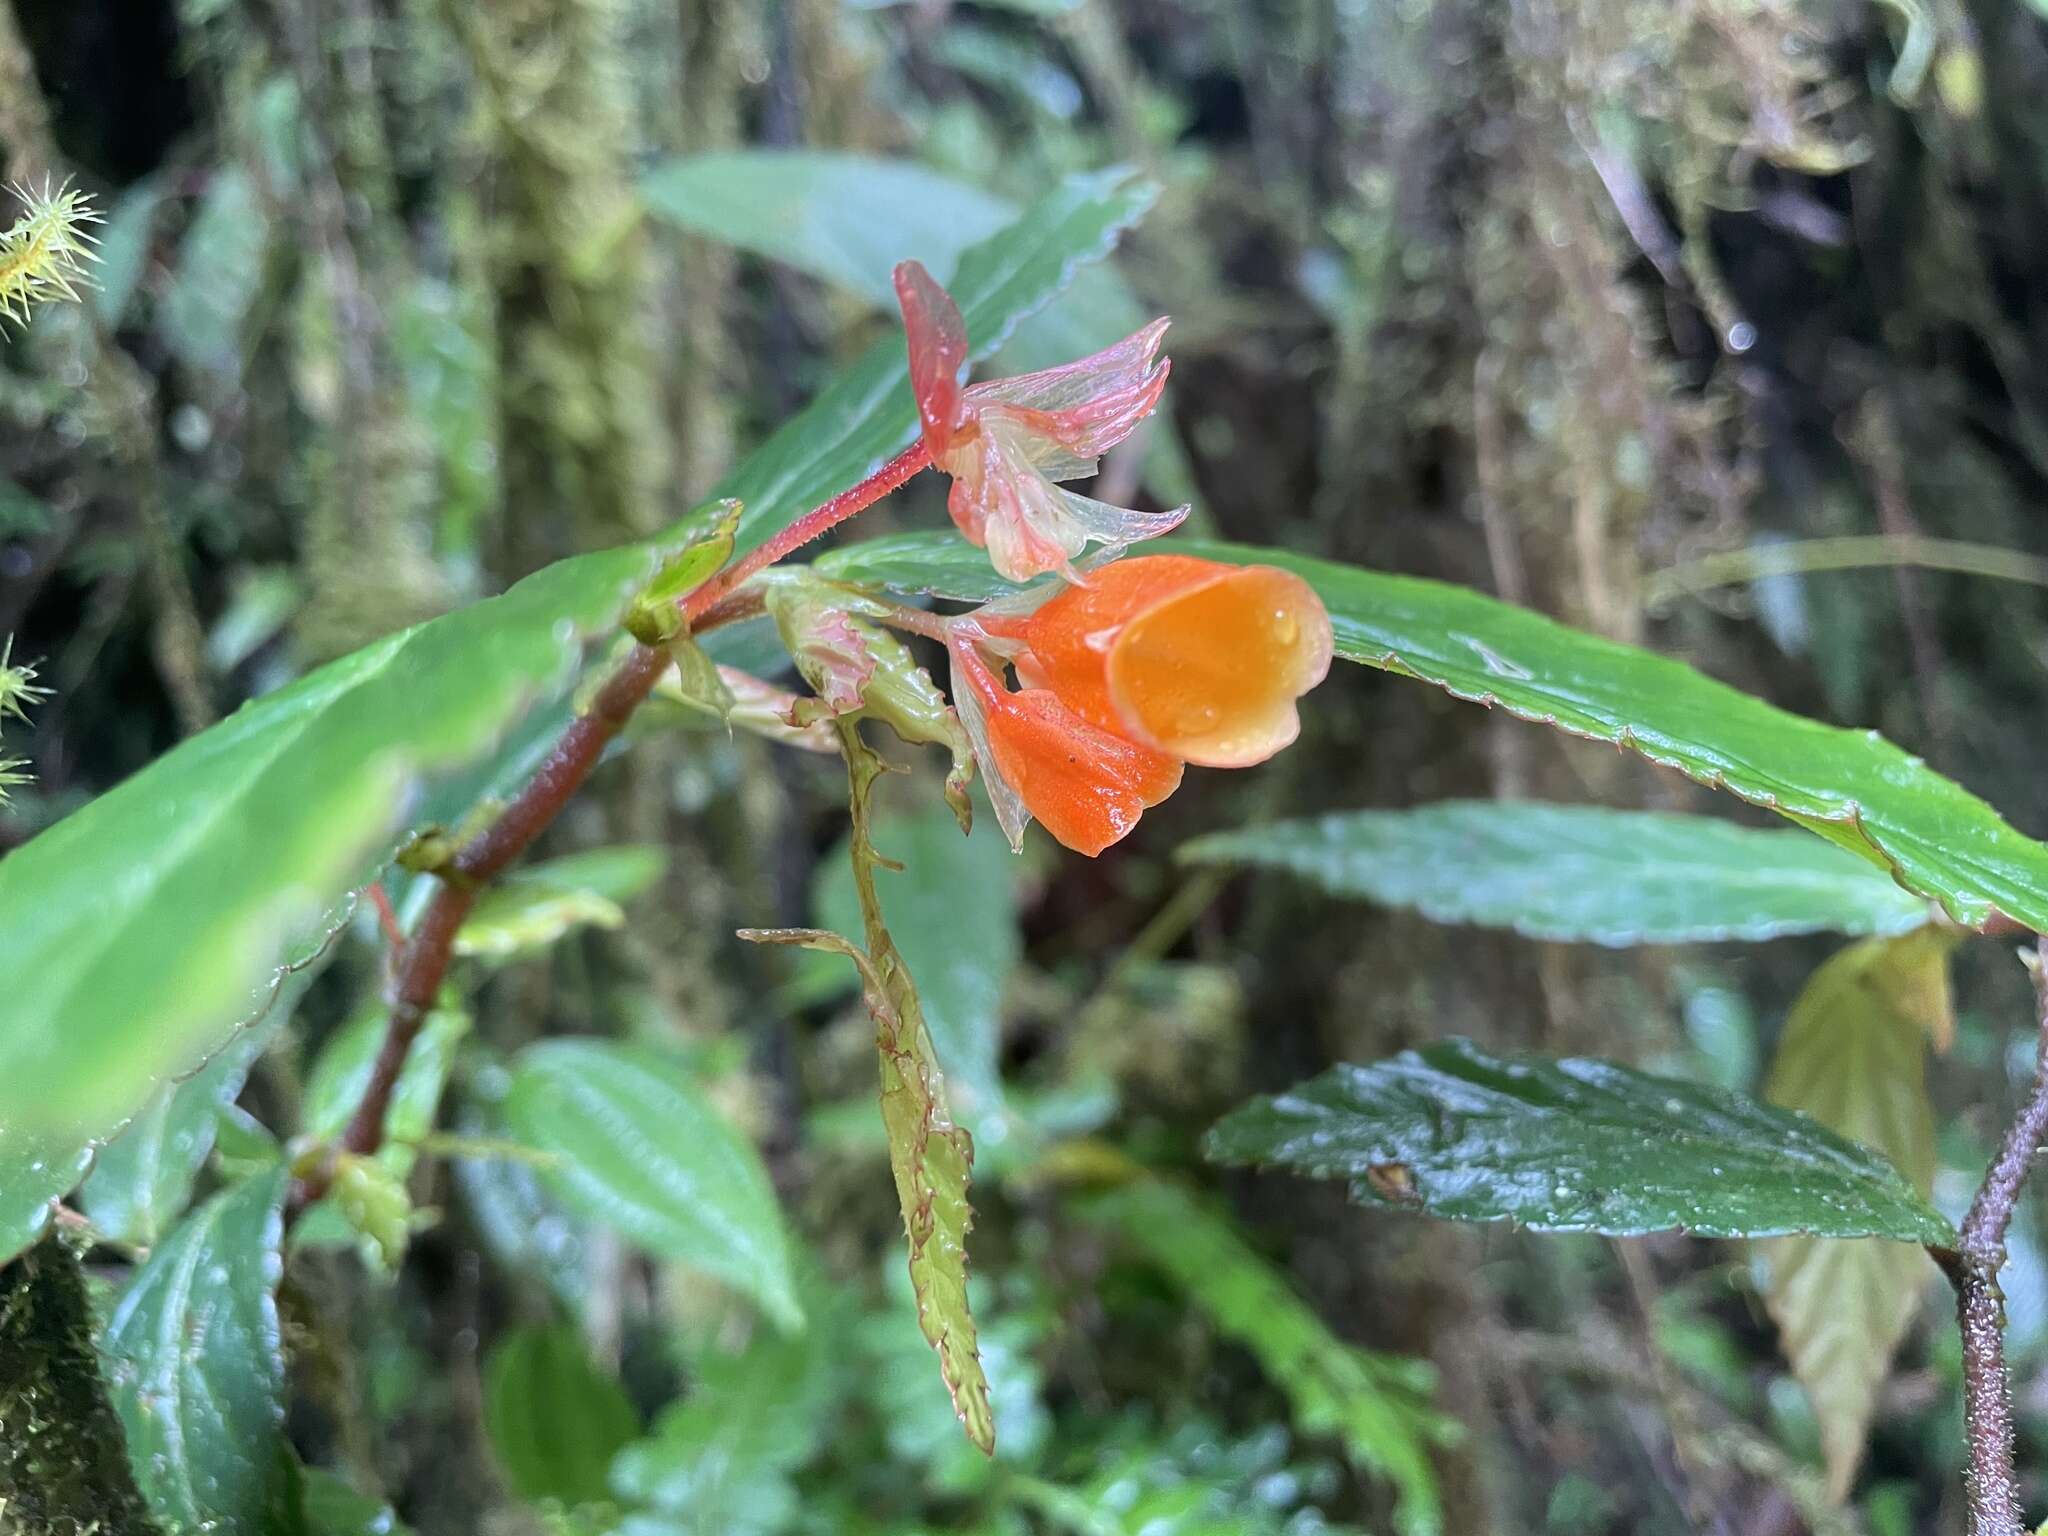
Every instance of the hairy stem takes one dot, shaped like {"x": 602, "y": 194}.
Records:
{"x": 1987, "y": 1394}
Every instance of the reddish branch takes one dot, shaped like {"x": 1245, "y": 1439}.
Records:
{"x": 1974, "y": 1267}
{"x": 423, "y": 963}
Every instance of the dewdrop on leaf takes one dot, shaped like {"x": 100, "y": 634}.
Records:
{"x": 45, "y": 253}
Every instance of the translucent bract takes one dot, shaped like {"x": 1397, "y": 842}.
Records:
{"x": 1006, "y": 443}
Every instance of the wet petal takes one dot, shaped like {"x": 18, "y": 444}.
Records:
{"x": 1197, "y": 659}
{"x": 937, "y": 340}
{"x": 1004, "y": 502}
{"x": 1088, "y": 406}
{"x": 1086, "y": 786}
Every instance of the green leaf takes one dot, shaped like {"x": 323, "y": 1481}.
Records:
{"x": 720, "y": 1461}
{"x": 1853, "y": 1056}
{"x": 1376, "y": 1405}
{"x": 931, "y": 1157}
{"x": 534, "y": 906}
{"x": 554, "y": 1419}
{"x": 341, "y": 1073}
{"x": 1852, "y": 787}
{"x": 815, "y": 210}
{"x": 867, "y": 415}
{"x": 1580, "y": 873}
{"x": 144, "y": 1176}
{"x": 952, "y": 911}
{"x": 35, "y": 1173}
{"x": 640, "y": 1149}
{"x": 145, "y": 928}
{"x": 1574, "y": 1146}
{"x": 333, "y": 1508}
{"x": 196, "y": 1363}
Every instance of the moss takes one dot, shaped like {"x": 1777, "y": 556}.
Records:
{"x": 63, "y": 1466}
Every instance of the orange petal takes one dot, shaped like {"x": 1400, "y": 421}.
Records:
{"x": 1086, "y": 785}
{"x": 937, "y": 339}
{"x": 1199, "y": 660}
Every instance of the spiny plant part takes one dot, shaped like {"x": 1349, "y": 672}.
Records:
{"x": 1159, "y": 661}
{"x": 1006, "y": 442}
{"x": 45, "y": 253}
{"x": 18, "y": 690}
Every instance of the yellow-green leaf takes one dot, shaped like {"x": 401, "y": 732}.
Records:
{"x": 1853, "y": 1057}
{"x": 930, "y": 1156}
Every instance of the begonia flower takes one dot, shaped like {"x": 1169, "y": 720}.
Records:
{"x": 1006, "y": 442}
{"x": 1161, "y": 660}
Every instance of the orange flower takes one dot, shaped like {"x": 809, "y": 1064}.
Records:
{"x": 1038, "y": 758}
{"x": 1161, "y": 660}
{"x": 1007, "y": 441}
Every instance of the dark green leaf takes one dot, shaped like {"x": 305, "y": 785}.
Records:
{"x": 952, "y": 911}
{"x": 1853, "y": 787}
{"x": 554, "y": 1419}
{"x": 1574, "y": 1146}
{"x": 196, "y": 1364}
{"x": 1580, "y": 873}
{"x": 635, "y": 1145}
{"x": 1376, "y": 1405}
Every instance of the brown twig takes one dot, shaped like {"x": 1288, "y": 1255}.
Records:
{"x": 425, "y": 961}
{"x": 1980, "y": 1254}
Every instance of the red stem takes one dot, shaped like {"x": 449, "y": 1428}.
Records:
{"x": 811, "y": 525}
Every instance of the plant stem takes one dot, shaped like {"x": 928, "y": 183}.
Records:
{"x": 1987, "y": 1394}
{"x": 811, "y": 525}
{"x": 423, "y": 965}
{"x": 427, "y": 953}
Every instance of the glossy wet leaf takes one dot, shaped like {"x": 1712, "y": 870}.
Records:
{"x": 35, "y": 1172}
{"x": 633, "y": 1143}
{"x": 195, "y": 1361}
{"x": 930, "y": 1155}
{"x": 952, "y": 912}
{"x": 1376, "y": 1405}
{"x": 143, "y": 1178}
{"x": 553, "y": 1418}
{"x": 145, "y": 928}
{"x": 1853, "y": 1056}
{"x": 1853, "y": 787}
{"x": 1573, "y": 1146}
{"x": 1580, "y": 873}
